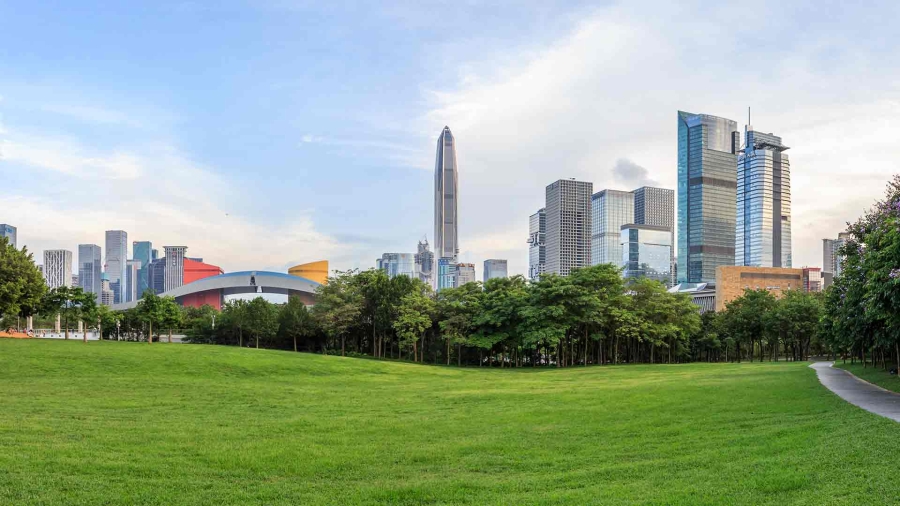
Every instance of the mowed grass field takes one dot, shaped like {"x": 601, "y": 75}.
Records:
{"x": 875, "y": 375}
{"x": 132, "y": 423}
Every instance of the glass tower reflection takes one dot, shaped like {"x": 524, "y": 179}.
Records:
{"x": 445, "y": 197}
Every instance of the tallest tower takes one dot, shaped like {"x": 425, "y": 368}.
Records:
{"x": 445, "y": 195}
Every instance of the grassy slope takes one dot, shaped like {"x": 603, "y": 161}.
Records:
{"x": 875, "y": 375}
{"x": 178, "y": 424}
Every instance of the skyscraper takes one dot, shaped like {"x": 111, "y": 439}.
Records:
{"x": 9, "y": 232}
{"x": 465, "y": 273}
{"x": 116, "y": 256}
{"x": 397, "y": 264}
{"x": 763, "y": 231}
{"x": 106, "y": 293}
{"x": 142, "y": 251}
{"x": 90, "y": 268}
{"x": 495, "y": 268}
{"x": 156, "y": 276}
{"x": 58, "y": 267}
{"x": 656, "y": 207}
{"x": 647, "y": 252}
{"x": 610, "y": 209}
{"x": 537, "y": 247}
{"x": 174, "y": 271}
{"x": 707, "y": 182}
{"x": 132, "y": 280}
{"x": 831, "y": 257}
{"x": 425, "y": 263}
{"x": 445, "y": 197}
{"x": 568, "y": 239}
{"x": 446, "y": 273}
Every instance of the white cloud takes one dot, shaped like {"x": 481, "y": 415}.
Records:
{"x": 610, "y": 91}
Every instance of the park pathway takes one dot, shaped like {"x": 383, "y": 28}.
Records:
{"x": 858, "y": 392}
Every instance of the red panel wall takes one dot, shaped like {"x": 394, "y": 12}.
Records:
{"x": 194, "y": 270}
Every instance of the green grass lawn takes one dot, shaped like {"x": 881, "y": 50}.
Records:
{"x": 875, "y": 375}
{"x": 131, "y": 423}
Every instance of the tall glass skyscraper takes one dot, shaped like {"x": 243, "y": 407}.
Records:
{"x": 142, "y": 251}
{"x": 445, "y": 197}
{"x": 397, "y": 264}
{"x": 90, "y": 269}
{"x": 9, "y": 232}
{"x": 763, "y": 232}
{"x": 495, "y": 268}
{"x": 537, "y": 248}
{"x": 116, "y": 256}
{"x": 707, "y": 185}
{"x": 447, "y": 271}
{"x": 425, "y": 263}
{"x": 610, "y": 209}
{"x": 647, "y": 252}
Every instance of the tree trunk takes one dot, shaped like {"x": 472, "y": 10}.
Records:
{"x": 343, "y": 345}
{"x": 67, "y": 324}
{"x": 585, "y": 346}
{"x": 448, "y": 351}
{"x": 150, "y": 333}
{"x": 240, "y": 337}
{"x": 295, "y": 342}
{"x": 170, "y": 335}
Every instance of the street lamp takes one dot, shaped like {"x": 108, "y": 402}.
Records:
{"x": 214, "y": 322}
{"x": 118, "y": 324}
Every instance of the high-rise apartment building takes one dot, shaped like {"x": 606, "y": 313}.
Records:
{"x": 9, "y": 232}
{"x": 495, "y": 268}
{"x": 707, "y": 184}
{"x": 132, "y": 280}
{"x": 446, "y": 273}
{"x": 465, "y": 273}
{"x": 143, "y": 252}
{"x": 763, "y": 211}
{"x": 568, "y": 239}
{"x": 397, "y": 264}
{"x": 425, "y": 263}
{"x": 174, "y": 271}
{"x": 647, "y": 252}
{"x": 610, "y": 210}
{"x": 116, "y": 257}
{"x": 831, "y": 257}
{"x": 106, "y": 293}
{"x": 537, "y": 248}
{"x": 90, "y": 269}
{"x": 58, "y": 267}
{"x": 446, "y": 185}
{"x": 656, "y": 206}
{"x": 812, "y": 279}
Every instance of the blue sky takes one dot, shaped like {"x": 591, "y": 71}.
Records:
{"x": 268, "y": 133}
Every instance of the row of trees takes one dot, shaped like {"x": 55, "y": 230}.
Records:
{"x": 862, "y": 308}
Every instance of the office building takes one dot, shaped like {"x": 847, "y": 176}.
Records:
{"x": 58, "y": 267}
{"x": 495, "y": 268}
{"x": 812, "y": 279}
{"x": 397, "y": 264}
{"x": 610, "y": 210}
{"x": 313, "y": 271}
{"x": 174, "y": 257}
{"x": 106, "y": 293}
{"x": 132, "y": 280}
{"x": 707, "y": 185}
{"x": 90, "y": 269}
{"x": 731, "y": 281}
{"x": 656, "y": 206}
{"x": 156, "y": 275}
{"x": 425, "y": 263}
{"x": 647, "y": 252}
{"x": 465, "y": 273}
{"x": 142, "y": 251}
{"x": 445, "y": 197}
{"x": 115, "y": 265}
{"x": 568, "y": 239}
{"x": 9, "y": 232}
{"x": 763, "y": 211}
{"x": 537, "y": 248}
{"x": 831, "y": 257}
{"x": 446, "y": 273}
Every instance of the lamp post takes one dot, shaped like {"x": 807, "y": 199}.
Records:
{"x": 214, "y": 322}
{"x": 118, "y": 324}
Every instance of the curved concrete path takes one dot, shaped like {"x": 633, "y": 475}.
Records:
{"x": 861, "y": 393}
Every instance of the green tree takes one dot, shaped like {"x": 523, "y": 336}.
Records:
{"x": 22, "y": 286}
{"x": 414, "y": 319}
{"x": 170, "y": 314}
{"x": 338, "y": 306}
{"x": 262, "y": 319}
{"x": 234, "y": 318}
{"x": 151, "y": 309}
{"x": 296, "y": 322}
{"x": 68, "y": 302}
{"x": 746, "y": 321}
{"x": 457, "y": 309}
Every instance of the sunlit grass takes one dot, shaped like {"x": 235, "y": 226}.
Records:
{"x": 132, "y": 423}
{"x": 872, "y": 374}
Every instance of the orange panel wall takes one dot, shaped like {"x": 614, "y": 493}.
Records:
{"x": 194, "y": 270}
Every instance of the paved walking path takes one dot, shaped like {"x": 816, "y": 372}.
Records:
{"x": 861, "y": 393}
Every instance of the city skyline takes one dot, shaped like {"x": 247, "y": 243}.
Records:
{"x": 563, "y": 101}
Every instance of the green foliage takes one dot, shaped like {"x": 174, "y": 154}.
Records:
{"x": 72, "y": 303}
{"x": 22, "y": 287}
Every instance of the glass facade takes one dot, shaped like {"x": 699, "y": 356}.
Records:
{"x": 465, "y": 273}
{"x": 831, "y": 259}
{"x": 495, "y": 268}
{"x": 9, "y": 232}
{"x": 90, "y": 269}
{"x": 445, "y": 197}
{"x": 142, "y": 251}
{"x": 763, "y": 211}
{"x": 568, "y": 215}
{"x": 116, "y": 256}
{"x": 397, "y": 264}
{"x": 647, "y": 252}
{"x": 425, "y": 263}
{"x": 537, "y": 248}
{"x": 447, "y": 271}
{"x": 707, "y": 185}
{"x": 610, "y": 209}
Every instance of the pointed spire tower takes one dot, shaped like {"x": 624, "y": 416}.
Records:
{"x": 445, "y": 197}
